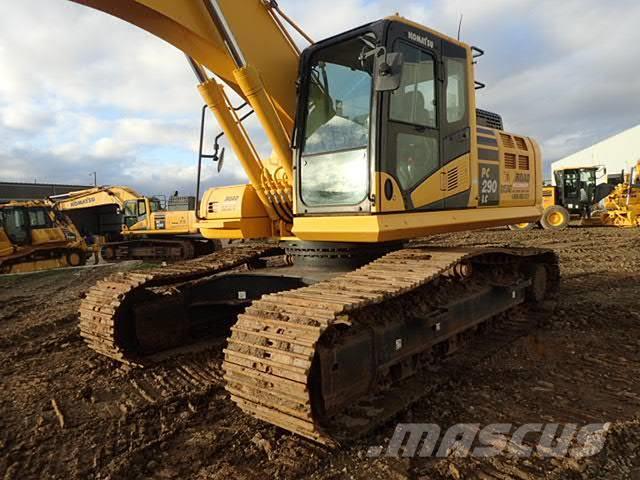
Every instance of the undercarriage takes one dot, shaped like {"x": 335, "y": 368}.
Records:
{"x": 310, "y": 340}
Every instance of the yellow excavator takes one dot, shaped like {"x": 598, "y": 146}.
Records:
{"x": 127, "y": 226}
{"x": 34, "y": 236}
{"x": 376, "y": 141}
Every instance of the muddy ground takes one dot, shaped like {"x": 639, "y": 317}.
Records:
{"x": 66, "y": 412}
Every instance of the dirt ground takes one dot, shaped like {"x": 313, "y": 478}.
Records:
{"x": 66, "y": 412}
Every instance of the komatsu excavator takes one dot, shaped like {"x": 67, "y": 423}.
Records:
{"x": 376, "y": 141}
{"x": 133, "y": 227}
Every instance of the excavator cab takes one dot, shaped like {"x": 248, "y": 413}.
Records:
{"x": 389, "y": 98}
{"x": 135, "y": 211}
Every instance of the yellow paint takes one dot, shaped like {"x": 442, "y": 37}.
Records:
{"x": 6, "y": 247}
{"x": 396, "y": 204}
{"x": 58, "y": 240}
{"x": 43, "y": 236}
{"x": 519, "y": 186}
{"x": 39, "y": 265}
{"x": 95, "y": 197}
{"x": 382, "y": 228}
{"x": 176, "y": 223}
{"x": 548, "y": 197}
{"x": 435, "y": 187}
{"x": 233, "y": 212}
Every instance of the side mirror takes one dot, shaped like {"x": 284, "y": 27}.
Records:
{"x": 388, "y": 71}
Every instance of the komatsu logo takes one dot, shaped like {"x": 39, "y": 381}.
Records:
{"x": 77, "y": 203}
{"x": 414, "y": 37}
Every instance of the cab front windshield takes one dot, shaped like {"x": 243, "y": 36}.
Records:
{"x": 335, "y": 163}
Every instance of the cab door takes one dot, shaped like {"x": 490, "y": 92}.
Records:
{"x": 411, "y": 140}
{"x": 455, "y": 127}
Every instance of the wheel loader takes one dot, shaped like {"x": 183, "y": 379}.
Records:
{"x": 575, "y": 196}
{"x": 34, "y": 236}
{"x": 330, "y": 306}
{"x": 127, "y": 226}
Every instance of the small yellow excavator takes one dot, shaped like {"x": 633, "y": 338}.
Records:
{"x": 376, "y": 141}
{"x": 125, "y": 225}
{"x": 34, "y": 236}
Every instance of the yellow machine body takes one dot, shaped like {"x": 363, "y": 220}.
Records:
{"x": 142, "y": 215}
{"x": 229, "y": 38}
{"x": 623, "y": 206}
{"x": 233, "y": 212}
{"x": 33, "y": 236}
{"x": 519, "y": 189}
{"x": 163, "y": 223}
{"x": 549, "y": 197}
{"x": 95, "y": 197}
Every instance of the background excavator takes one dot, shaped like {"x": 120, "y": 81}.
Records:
{"x": 125, "y": 225}
{"x": 376, "y": 141}
{"x": 34, "y": 236}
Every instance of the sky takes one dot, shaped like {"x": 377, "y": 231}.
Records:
{"x": 81, "y": 91}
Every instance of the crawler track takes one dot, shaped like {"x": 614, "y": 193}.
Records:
{"x": 105, "y": 312}
{"x": 272, "y": 353}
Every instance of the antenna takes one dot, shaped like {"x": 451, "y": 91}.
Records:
{"x": 460, "y": 25}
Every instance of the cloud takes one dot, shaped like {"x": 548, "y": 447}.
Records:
{"x": 81, "y": 91}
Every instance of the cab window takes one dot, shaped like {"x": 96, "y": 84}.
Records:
{"x": 155, "y": 205}
{"x": 15, "y": 225}
{"x": 39, "y": 218}
{"x": 456, "y": 89}
{"x": 415, "y": 101}
{"x": 131, "y": 209}
{"x": 417, "y": 158}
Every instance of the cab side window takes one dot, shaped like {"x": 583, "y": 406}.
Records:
{"x": 413, "y": 118}
{"x": 456, "y": 89}
{"x": 415, "y": 101}
{"x": 417, "y": 158}
{"x": 39, "y": 218}
{"x": 142, "y": 209}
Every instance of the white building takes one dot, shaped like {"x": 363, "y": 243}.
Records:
{"x": 617, "y": 153}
